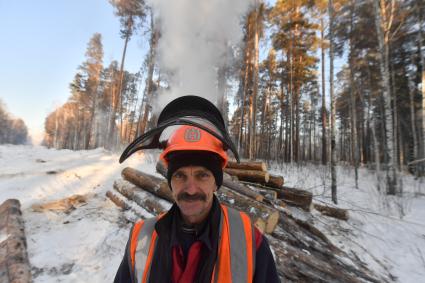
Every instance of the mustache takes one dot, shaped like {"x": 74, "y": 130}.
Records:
{"x": 185, "y": 196}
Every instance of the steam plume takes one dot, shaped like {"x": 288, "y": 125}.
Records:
{"x": 195, "y": 38}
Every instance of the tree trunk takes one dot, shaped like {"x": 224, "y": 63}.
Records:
{"x": 383, "y": 41}
{"x": 253, "y": 106}
{"x": 113, "y": 113}
{"x": 149, "y": 79}
{"x": 412, "y": 90}
{"x": 221, "y": 88}
{"x": 127, "y": 38}
{"x": 421, "y": 167}
{"x": 324, "y": 118}
{"x": 333, "y": 110}
{"x": 353, "y": 93}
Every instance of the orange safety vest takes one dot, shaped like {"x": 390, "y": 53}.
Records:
{"x": 236, "y": 249}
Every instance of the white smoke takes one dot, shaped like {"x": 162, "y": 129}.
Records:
{"x": 194, "y": 42}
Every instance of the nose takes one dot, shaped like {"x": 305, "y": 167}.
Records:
{"x": 191, "y": 185}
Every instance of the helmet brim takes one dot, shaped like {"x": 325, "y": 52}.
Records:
{"x": 186, "y": 110}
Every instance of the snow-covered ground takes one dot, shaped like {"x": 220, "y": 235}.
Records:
{"x": 86, "y": 244}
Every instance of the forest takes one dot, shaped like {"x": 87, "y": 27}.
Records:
{"x": 12, "y": 130}
{"x": 337, "y": 82}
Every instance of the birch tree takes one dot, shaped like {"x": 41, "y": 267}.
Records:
{"x": 383, "y": 22}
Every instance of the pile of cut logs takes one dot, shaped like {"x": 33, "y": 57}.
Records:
{"x": 302, "y": 252}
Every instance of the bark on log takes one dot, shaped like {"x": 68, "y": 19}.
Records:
{"x": 138, "y": 212}
{"x": 304, "y": 254}
{"x": 161, "y": 169}
{"x": 255, "y": 209}
{"x": 240, "y": 188}
{"x": 117, "y": 200}
{"x": 334, "y": 212}
{"x": 249, "y": 165}
{"x": 291, "y": 196}
{"x": 249, "y": 175}
{"x": 296, "y": 197}
{"x": 133, "y": 192}
{"x": 148, "y": 182}
{"x": 14, "y": 264}
{"x": 268, "y": 194}
{"x": 275, "y": 182}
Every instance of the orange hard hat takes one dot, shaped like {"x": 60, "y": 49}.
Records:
{"x": 190, "y": 138}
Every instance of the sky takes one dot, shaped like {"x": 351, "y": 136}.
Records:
{"x": 42, "y": 44}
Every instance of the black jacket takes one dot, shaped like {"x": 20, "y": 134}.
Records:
{"x": 169, "y": 235}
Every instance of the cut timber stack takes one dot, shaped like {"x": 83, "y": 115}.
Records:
{"x": 14, "y": 264}
{"x": 255, "y": 174}
{"x": 303, "y": 253}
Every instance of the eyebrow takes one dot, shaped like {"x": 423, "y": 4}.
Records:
{"x": 194, "y": 171}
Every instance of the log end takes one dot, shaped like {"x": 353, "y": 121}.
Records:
{"x": 272, "y": 222}
{"x": 260, "y": 224}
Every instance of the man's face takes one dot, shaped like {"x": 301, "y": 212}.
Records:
{"x": 193, "y": 189}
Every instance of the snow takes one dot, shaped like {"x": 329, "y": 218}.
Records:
{"x": 386, "y": 232}
{"x": 87, "y": 244}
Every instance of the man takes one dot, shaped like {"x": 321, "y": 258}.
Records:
{"x": 198, "y": 239}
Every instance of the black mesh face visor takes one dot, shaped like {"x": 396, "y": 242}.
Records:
{"x": 186, "y": 110}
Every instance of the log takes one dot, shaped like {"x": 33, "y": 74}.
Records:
{"x": 133, "y": 192}
{"x": 117, "y": 200}
{"x": 296, "y": 197}
{"x": 240, "y": 188}
{"x": 161, "y": 169}
{"x": 249, "y": 175}
{"x": 256, "y": 210}
{"x": 248, "y": 165}
{"x": 14, "y": 263}
{"x": 275, "y": 181}
{"x": 148, "y": 182}
{"x": 330, "y": 211}
{"x": 291, "y": 196}
{"x": 268, "y": 194}
{"x": 128, "y": 205}
{"x": 304, "y": 254}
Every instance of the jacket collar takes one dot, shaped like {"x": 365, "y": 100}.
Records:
{"x": 171, "y": 225}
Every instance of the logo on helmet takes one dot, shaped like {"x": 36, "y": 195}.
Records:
{"x": 192, "y": 135}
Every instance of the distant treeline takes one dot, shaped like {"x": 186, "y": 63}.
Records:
{"x": 12, "y": 131}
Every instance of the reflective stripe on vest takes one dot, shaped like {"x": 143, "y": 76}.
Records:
{"x": 236, "y": 260}
{"x": 142, "y": 247}
{"x": 236, "y": 251}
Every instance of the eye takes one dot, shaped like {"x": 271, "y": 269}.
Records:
{"x": 178, "y": 175}
{"x": 203, "y": 175}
